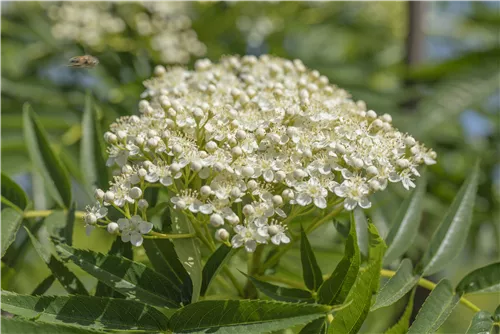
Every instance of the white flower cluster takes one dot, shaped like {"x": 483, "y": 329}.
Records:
{"x": 165, "y": 24}
{"x": 250, "y": 143}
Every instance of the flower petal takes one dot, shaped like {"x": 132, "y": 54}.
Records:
{"x": 145, "y": 227}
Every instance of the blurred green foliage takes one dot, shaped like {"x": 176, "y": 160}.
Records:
{"x": 450, "y": 102}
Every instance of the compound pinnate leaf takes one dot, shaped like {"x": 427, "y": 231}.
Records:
{"x": 311, "y": 272}
{"x": 243, "y": 316}
{"x": 450, "y": 235}
{"x": 485, "y": 279}
{"x": 17, "y": 325}
{"x": 11, "y": 221}
{"x": 214, "y": 264}
{"x": 44, "y": 285}
{"x": 335, "y": 289}
{"x": 281, "y": 293}
{"x": 481, "y": 323}
{"x": 48, "y": 164}
{"x": 436, "y": 309}
{"x": 86, "y": 311}
{"x": 404, "y": 228}
{"x": 132, "y": 279}
{"x": 121, "y": 249}
{"x": 397, "y": 286}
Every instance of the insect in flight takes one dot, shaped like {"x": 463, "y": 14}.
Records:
{"x": 86, "y": 61}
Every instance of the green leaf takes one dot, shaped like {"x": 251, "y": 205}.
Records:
{"x": 481, "y": 323}
{"x": 92, "y": 149}
{"x": 349, "y": 319}
{"x": 280, "y": 293}
{"x": 313, "y": 278}
{"x": 401, "y": 327}
{"x": 11, "y": 221}
{"x": 243, "y": 316}
{"x": 134, "y": 280}
{"x": 17, "y": 326}
{"x": 436, "y": 309}
{"x": 67, "y": 279}
{"x": 397, "y": 286}
{"x": 121, "y": 249}
{"x": 214, "y": 264}
{"x": 43, "y": 157}
{"x": 188, "y": 251}
{"x": 163, "y": 257}
{"x": 359, "y": 217}
{"x": 336, "y": 288}
{"x": 485, "y": 279}
{"x": 404, "y": 228}
{"x": 86, "y": 311}
{"x": 450, "y": 235}
{"x": 13, "y": 193}
{"x": 60, "y": 224}
{"x": 318, "y": 326}
{"x": 496, "y": 314}
{"x": 44, "y": 285}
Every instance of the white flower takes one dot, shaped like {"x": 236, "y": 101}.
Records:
{"x": 277, "y": 232}
{"x": 93, "y": 214}
{"x": 132, "y": 229}
{"x": 355, "y": 192}
{"x": 248, "y": 237}
{"x": 311, "y": 191}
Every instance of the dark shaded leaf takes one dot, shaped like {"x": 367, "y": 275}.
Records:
{"x": 162, "y": 255}
{"x": 48, "y": 164}
{"x": 11, "y": 221}
{"x": 318, "y": 326}
{"x": 67, "y": 279}
{"x": 18, "y": 326}
{"x": 485, "y": 279}
{"x": 121, "y": 249}
{"x": 44, "y": 285}
{"x": 243, "y": 316}
{"x": 313, "y": 278}
{"x": 450, "y": 235}
{"x": 397, "y": 286}
{"x": 280, "y": 293}
{"x": 13, "y": 192}
{"x": 401, "y": 327}
{"x": 60, "y": 224}
{"x": 481, "y": 323}
{"x": 214, "y": 264}
{"x": 86, "y": 311}
{"x": 335, "y": 289}
{"x": 134, "y": 280}
{"x": 404, "y": 228}
{"x": 436, "y": 309}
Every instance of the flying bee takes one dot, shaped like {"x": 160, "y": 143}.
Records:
{"x": 83, "y": 62}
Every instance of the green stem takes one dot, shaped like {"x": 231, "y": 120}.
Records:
{"x": 46, "y": 213}
{"x": 430, "y": 286}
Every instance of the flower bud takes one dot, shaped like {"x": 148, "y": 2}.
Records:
{"x": 235, "y": 193}
{"x": 357, "y": 162}
{"x": 374, "y": 184}
{"x": 248, "y": 210}
{"x": 196, "y": 166}
{"x": 205, "y": 191}
{"x": 371, "y": 114}
{"x": 112, "y": 228}
{"x": 90, "y": 218}
{"x": 122, "y": 134}
{"x": 277, "y": 200}
{"x": 247, "y": 171}
{"x": 222, "y": 235}
{"x": 279, "y": 176}
{"x": 110, "y": 138}
{"x": 177, "y": 149}
{"x": 135, "y": 192}
{"x": 236, "y": 151}
{"x": 299, "y": 174}
{"x": 273, "y": 229}
{"x": 252, "y": 184}
{"x": 109, "y": 196}
{"x": 260, "y": 133}
{"x": 409, "y": 141}
{"x": 240, "y": 134}
{"x": 288, "y": 194}
{"x": 175, "y": 167}
{"x": 142, "y": 173}
{"x": 139, "y": 141}
{"x": 403, "y": 163}
{"x": 159, "y": 70}
{"x": 387, "y": 118}
{"x": 372, "y": 170}
{"x": 143, "y": 204}
{"x": 211, "y": 146}
{"x": 99, "y": 194}
{"x": 181, "y": 205}
{"x": 216, "y": 220}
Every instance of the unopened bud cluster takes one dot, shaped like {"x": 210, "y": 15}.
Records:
{"x": 249, "y": 141}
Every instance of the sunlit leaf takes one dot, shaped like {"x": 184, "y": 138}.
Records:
{"x": 481, "y": 323}
{"x": 450, "y": 235}
{"x": 11, "y": 221}
{"x": 134, "y": 280}
{"x": 404, "y": 228}
{"x": 397, "y": 286}
{"x": 12, "y": 192}
{"x": 86, "y": 311}
{"x": 17, "y": 326}
{"x": 214, "y": 264}
{"x": 67, "y": 278}
{"x": 44, "y": 285}
{"x": 436, "y": 309}
{"x": 243, "y": 316}
{"x": 311, "y": 272}
{"x": 335, "y": 289}
{"x": 485, "y": 279}
{"x": 359, "y": 217}
{"x": 46, "y": 161}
